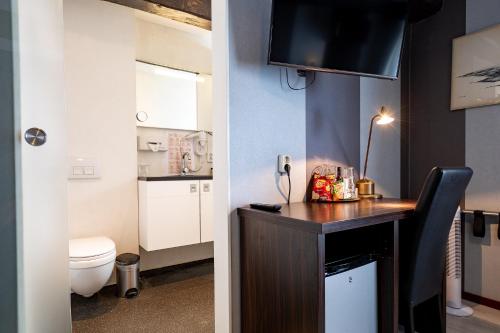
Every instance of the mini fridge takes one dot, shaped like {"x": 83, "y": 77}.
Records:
{"x": 351, "y": 296}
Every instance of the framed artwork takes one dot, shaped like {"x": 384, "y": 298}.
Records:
{"x": 475, "y": 75}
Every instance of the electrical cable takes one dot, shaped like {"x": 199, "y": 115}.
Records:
{"x": 287, "y": 169}
{"x": 303, "y": 88}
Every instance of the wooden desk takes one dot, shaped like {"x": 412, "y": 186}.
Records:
{"x": 283, "y": 257}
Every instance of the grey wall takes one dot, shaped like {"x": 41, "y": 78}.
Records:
{"x": 482, "y": 262}
{"x": 332, "y": 121}
{"x": 265, "y": 119}
{"x": 483, "y": 124}
{"x": 8, "y": 273}
{"x": 384, "y": 159}
{"x": 339, "y": 111}
{"x": 436, "y": 136}
{"x": 432, "y": 134}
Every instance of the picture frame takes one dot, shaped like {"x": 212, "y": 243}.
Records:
{"x": 475, "y": 78}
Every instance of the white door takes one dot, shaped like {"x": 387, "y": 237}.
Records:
{"x": 42, "y": 230}
{"x": 206, "y": 211}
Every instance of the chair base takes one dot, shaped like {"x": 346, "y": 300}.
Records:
{"x": 425, "y": 317}
{"x": 464, "y": 311}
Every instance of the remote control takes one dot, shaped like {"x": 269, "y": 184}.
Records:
{"x": 266, "y": 207}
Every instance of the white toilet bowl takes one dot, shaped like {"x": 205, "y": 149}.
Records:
{"x": 91, "y": 262}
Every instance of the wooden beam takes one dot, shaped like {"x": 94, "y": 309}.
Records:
{"x": 200, "y": 8}
{"x": 194, "y": 12}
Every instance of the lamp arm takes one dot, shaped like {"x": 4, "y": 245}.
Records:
{"x": 368, "y": 145}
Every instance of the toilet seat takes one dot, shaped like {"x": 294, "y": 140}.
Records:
{"x": 82, "y": 263}
{"x": 91, "y": 252}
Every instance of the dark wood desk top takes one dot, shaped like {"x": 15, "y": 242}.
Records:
{"x": 323, "y": 218}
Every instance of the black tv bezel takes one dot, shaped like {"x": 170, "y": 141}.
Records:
{"x": 331, "y": 70}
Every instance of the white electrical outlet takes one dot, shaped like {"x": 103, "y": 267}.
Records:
{"x": 282, "y": 161}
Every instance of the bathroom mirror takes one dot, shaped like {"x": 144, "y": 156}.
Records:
{"x": 166, "y": 97}
{"x": 204, "y": 99}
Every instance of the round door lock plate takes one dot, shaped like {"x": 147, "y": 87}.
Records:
{"x": 35, "y": 136}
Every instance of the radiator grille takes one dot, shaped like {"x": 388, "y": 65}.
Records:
{"x": 454, "y": 250}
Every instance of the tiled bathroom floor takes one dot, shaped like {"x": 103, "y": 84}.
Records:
{"x": 174, "y": 302}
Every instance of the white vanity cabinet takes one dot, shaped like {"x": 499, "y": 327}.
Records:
{"x": 175, "y": 213}
{"x": 169, "y": 214}
{"x": 206, "y": 211}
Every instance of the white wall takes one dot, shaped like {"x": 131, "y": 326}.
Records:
{"x": 163, "y": 45}
{"x": 164, "y": 163}
{"x": 265, "y": 119}
{"x": 161, "y": 42}
{"x": 100, "y": 43}
{"x": 100, "y": 90}
{"x": 384, "y": 161}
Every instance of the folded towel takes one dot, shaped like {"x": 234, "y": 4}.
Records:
{"x": 479, "y": 226}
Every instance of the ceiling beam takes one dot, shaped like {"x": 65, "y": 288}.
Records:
{"x": 194, "y": 12}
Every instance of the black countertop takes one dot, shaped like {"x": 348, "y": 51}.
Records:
{"x": 176, "y": 177}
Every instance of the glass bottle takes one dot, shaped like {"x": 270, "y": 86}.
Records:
{"x": 349, "y": 185}
{"x": 338, "y": 186}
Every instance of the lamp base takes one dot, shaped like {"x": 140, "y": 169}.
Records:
{"x": 366, "y": 189}
{"x": 365, "y": 186}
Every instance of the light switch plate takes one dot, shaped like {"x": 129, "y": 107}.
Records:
{"x": 83, "y": 168}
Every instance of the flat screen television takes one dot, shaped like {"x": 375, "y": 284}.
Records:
{"x": 361, "y": 37}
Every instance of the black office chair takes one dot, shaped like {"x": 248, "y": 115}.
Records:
{"x": 423, "y": 241}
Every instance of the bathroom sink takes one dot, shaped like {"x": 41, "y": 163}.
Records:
{"x": 176, "y": 177}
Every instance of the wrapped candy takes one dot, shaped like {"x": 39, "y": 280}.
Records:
{"x": 322, "y": 184}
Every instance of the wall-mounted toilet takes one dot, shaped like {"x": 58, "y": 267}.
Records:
{"x": 91, "y": 262}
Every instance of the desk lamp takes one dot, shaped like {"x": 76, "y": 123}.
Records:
{"x": 366, "y": 187}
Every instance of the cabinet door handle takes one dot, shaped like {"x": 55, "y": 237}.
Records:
{"x": 193, "y": 188}
{"x": 206, "y": 187}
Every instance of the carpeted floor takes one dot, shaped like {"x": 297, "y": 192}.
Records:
{"x": 173, "y": 302}
{"x": 182, "y": 301}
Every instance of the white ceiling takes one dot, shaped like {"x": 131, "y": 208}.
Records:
{"x": 205, "y": 35}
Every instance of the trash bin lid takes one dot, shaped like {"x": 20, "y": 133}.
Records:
{"x": 126, "y": 259}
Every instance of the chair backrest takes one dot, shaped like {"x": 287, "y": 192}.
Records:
{"x": 434, "y": 212}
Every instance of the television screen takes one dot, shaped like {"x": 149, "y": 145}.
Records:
{"x": 362, "y": 37}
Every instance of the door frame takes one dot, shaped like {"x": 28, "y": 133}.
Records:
{"x": 222, "y": 195}
{"x": 8, "y": 229}
{"x": 222, "y": 220}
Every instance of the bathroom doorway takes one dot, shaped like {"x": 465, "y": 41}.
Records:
{"x": 138, "y": 90}
{"x": 87, "y": 130}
